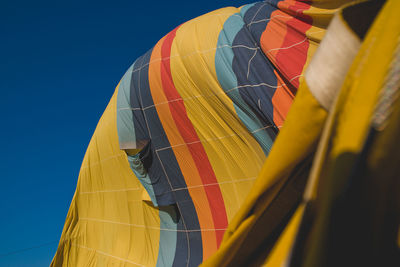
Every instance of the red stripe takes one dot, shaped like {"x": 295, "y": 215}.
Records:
{"x": 292, "y": 60}
{"x": 189, "y": 135}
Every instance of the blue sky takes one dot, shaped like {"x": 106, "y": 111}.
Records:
{"x": 59, "y": 64}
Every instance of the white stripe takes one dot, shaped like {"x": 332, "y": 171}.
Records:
{"x": 224, "y": 182}
{"x": 150, "y": 227}
{"x": 248, "y": 65}
{"x": 106, "y": 254}
{"x": 103, "y": 160}
{"x": 110, "y": 191}
{"x": 213, "y": 139}
{"x": 261, "y": 20}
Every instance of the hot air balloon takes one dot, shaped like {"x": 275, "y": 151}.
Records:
{"x": 185, "y": 135}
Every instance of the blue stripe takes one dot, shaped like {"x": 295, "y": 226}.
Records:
{"x": 168, "y": 236}
{"x": 125, "y": 127}
{"x": 228, "y": 79}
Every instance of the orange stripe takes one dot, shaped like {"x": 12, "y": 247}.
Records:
{"x": 182, "y": 153}
{"x": 272, "y": 38}
{"x": 274, "y": 34}
{"x": 282, "y": 100}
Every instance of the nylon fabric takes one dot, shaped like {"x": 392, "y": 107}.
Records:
{"x": 185, "y": 135}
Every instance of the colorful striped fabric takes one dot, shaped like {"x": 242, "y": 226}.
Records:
{"x": 193, "y": 121}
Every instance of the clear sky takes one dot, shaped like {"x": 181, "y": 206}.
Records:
{"x": 59, "y": 64}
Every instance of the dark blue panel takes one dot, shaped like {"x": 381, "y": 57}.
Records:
{"x": 190, "y": 232}
{"x": 255, "y": 73}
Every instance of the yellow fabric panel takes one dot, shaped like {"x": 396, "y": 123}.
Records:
{"x": 398, "y": 237}
{"x": 114, "y": 226}
{"x": 354, "y": 112}
{"x": 322, "y": 11}
{"x": 295, "y": 142}
{"x": 224, "y": 137}
{"x": 283, "y": 246}
{"x": 282, "y": 249}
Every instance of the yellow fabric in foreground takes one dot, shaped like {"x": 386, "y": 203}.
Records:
{"x": 347, "y": 129}
{"x": 104, "y": 200}
{"x": 282, "y": 248}
{"x": 353, "y": 114}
